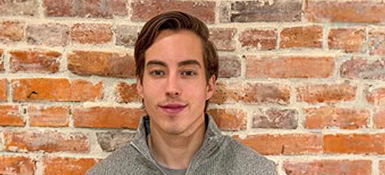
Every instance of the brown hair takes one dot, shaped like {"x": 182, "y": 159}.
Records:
{"x": 175, "y": 20}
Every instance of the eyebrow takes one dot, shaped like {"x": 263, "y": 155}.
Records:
{"x": 182, "y": 63}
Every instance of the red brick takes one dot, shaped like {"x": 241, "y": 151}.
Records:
{"x": 47, "y": 141}
{"x": 101, "y": 63}
{"x": 229, "y": 119}
{"x": 51, "y": 34}
{"x": 34, "y": 61}
{"x": 283, "y": 144}
{"x": 10, "y": 116}
{"x": 223, "y": 38}
{"x": 107, "y": 117}
{"x": 344, "y": 118}
{"x": 251, "y": 93}
{"x": 347, "y": 39}
{"x": 91, "y": 33}
{"x": 275, "y": 118}
{"x": 113, "y": 140}
{"x": 375, "y": 96}
{"x": 261, "y": 39}
{"x": 143, "y": 10}
{"x": 17, "y": 165}
{"x": 347, "y": 11}
{"x": 382, "y": 167}
{"x": 60, "y": 89}
{"x": 376, "y": 41}
{"x": 127, "y": 93}
{"x": 306, "y": 36}
{"x": 85, "y": 8}
{"x": 332, "y": 93}
{"x": 11, "y": 31}
{"x": 48, "y": 115}
{"x": 16, "y": 8}
{"x": 67, "y": 165}
{"x": 126, "y": 35}
{"x": 289, "y": 67}
{"x": 327, "y": 166}
{"x": 379, "y": 119}
{"x": 229, "y": 66}
{"x": 2, "y": 60}
{"x": 3, "y": 89}
{"x": 354, "y": 143}
{"x": 257, "y": 11}
{"x": 358, "y": 68}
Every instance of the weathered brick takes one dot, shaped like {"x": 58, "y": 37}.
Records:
{"x": 126, "y": 35}
{"x": 358, "y": 68}
{"x": 283, "y": 144}
{"x": 382, "y": 167}
{"x": 67, "y": 165}
{"x": 345, "y": 11}
{"x": 56, "y": 116}
{"x": 2, "y": 60}
{"x": 345, "y": 118}
{"x": 332, "y": 93}
{"x": 89, "y": 33}
{"x": 16, "y": 8}
{"x": 379, "y": 119}
{"x": 354, "y": 143}
{"x": 347, "y": 39}
{"x": 267, "y": 11}
{"x": 251, "y": 93}
{"x": 51, "y": 34}
{"x": 261, "y": 39}
{"x": 34, "y": 61}
{"x": 3, "y": 89}
{"x": 289, "y": 67}
{"x": 107, "y": 117}
{"x": 229, "y": 119}
{"x": 229, "y": 66}
{"x": 376, "y": 41}
{"x": 11, "y": 31}
{"x": 143, "y": 10}
{"x": 127, "y": 92}
{"x": 85, "y": 8}
{"x": 304, "y": 36}
{"x": 327, "y": 166}
{"x": 47, "y": 141}
{"x": 223, "y": 38}
{"x": 111, "y": 141}
{"x": 113, "y": 64}
{"x": 10, "y": 116}
{"x": 58, "y": 89}
{"x": 275, "y": 118}
{"x": 375, "y": 96}
{"x": 17, "y": 165}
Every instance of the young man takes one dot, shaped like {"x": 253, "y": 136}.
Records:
{"x": 177, "y": 68}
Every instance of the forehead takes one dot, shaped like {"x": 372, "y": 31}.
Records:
{"x": 173, "y": 47}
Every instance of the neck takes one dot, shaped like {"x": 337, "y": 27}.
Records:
{"x": 175, "y": 151}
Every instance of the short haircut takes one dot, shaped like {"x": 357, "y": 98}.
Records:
{"x": 175, "y": 20}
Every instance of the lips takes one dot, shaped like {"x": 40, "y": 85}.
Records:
{"x": 173, "y": 108}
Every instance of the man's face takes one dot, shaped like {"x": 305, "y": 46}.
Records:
{"x": 174, "y": 86}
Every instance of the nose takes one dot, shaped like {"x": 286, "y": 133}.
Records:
{"x": 173, "y": 87}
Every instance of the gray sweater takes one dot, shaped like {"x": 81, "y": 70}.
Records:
{"x": 219, "y": 155}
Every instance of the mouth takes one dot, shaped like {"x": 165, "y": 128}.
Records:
{"x": 173, "y": 108}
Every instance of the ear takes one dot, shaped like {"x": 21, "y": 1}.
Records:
{"x": 210, "y": 88}
{"x": 139, "y": 86}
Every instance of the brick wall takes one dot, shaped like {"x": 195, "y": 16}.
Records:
{"x": 301, "y": 81}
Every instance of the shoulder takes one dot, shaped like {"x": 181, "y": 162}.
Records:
{"x": 247, "y": 159}
{"x": 117, "y": 162}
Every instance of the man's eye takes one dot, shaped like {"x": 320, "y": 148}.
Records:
{"x": 188, "y": 73}
{"x": 157, "y": 73}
